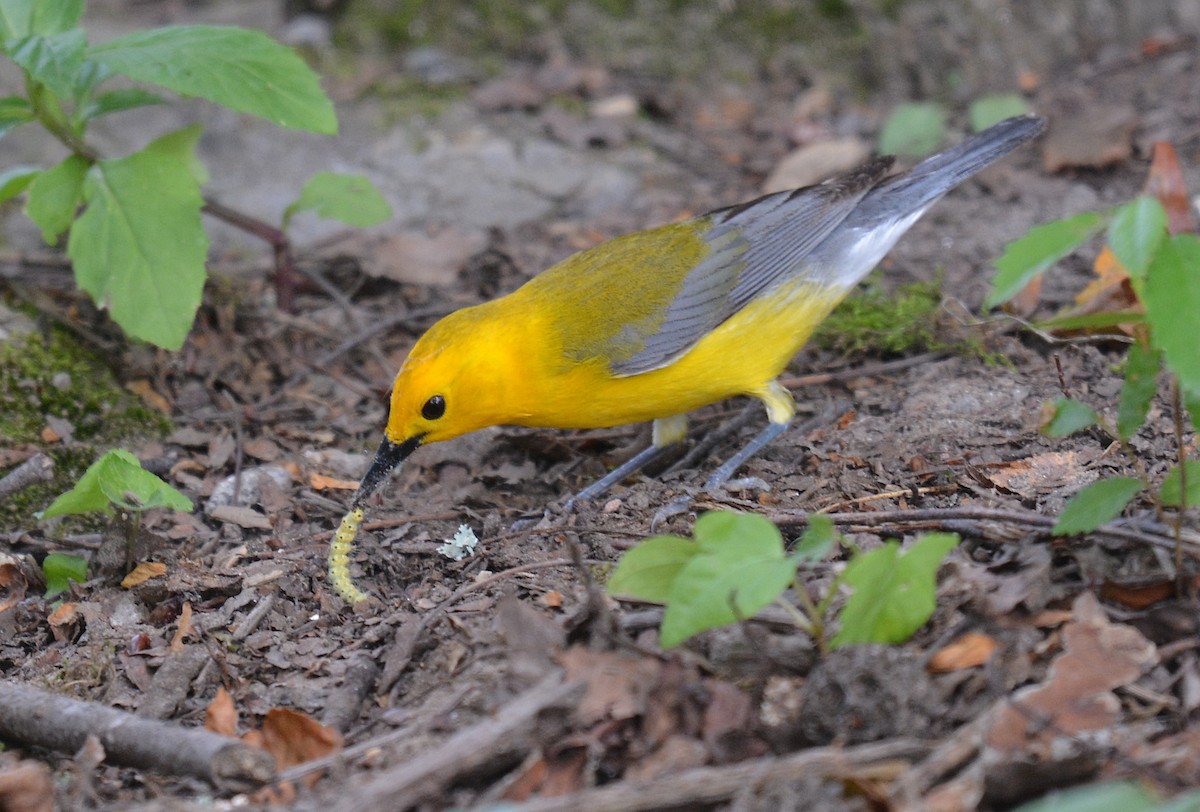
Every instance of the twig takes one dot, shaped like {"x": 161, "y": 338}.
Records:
{"x": 1120, "y": 529}
{"x": 1181, "y": 462}
{"x": 494, "y": 743}
{"x": 38, "y": 468}
{"x": 42, "y": 719}
{"x": 704, "y": 786}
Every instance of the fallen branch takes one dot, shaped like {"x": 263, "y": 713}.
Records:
{"x": 38, "y": 468}
{"x": 495, "y": 743}
{"x": 712, "y": 785}
{"x": 952, "y": 518}
{"x": 42, "y": 719}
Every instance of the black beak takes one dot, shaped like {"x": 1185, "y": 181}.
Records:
{"x": 387, "y": 458}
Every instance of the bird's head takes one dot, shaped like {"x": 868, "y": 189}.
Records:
{"x": 452, "y": 383}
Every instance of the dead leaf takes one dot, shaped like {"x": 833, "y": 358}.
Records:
{"x": 145, "y": 391}
{"x": 220, "y": 715}
{"x": 245, "y": 517}
{"x": 185, "y": 627}
{"x": 320, "y": 482}
{"x": 971, "y": 650}
{"x": 1076, "y": 696}
{"x": 552, "y": 599}
{"x": 1165, "y": 181}
{"x": 1089, "y": 135}
{"x": 1138, "y": 596}
{"x": 143, "y": 572}
{"x": 262, "y": 449}
{"x": 815, "y": 162}
{"x": 26, "y": 786}
{"x": 62, "y": 620}
{"x": 1025, "y": 303}
{"x": 1043, "y": 473}
{"x": 294, "y": 737}
{"x": 13, "y": 583}
{"x": 618, "y": 684}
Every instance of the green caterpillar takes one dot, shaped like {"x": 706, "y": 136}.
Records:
{"x": 339, "y": 558}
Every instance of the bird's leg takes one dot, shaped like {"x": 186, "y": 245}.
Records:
{"x": 667, "y": 431}
{"x": 780, "y": 410}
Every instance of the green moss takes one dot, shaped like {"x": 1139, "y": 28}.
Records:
{"x": 905, "y": 322}
{"x": 54, "y": 375}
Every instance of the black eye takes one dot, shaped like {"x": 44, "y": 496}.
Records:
{"x": 434, "y": 408}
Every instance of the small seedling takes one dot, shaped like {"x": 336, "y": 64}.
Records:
{"x": 1148, "y": 287}
{"x": 737, "y": 565}
{"x": 117, "y": 484}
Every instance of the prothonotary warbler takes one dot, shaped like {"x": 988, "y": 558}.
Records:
{"x": 652, "y": 325}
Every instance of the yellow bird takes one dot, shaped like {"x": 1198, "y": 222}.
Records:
{"x": 652, "y": 325}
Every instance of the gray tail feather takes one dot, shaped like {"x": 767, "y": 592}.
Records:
{"x": 938, "y": 174}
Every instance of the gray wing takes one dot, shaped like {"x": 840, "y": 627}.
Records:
{"x": 753, "y": 246}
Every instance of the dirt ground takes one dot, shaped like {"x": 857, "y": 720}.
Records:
{"x": 509, "y": 679}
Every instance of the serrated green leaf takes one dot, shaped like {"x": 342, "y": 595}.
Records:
{"x": 117, "y": 101}
{"x": 648, "y": 571}
{"x": 14, "y": 111}
{"x": 244, "y": 70}
{"x": 818, "y": 539}
{"x": 53, "y": 60}
{"x": 895, "y": 592}
{"x": 1117, "y": 796}
{"x": 56, "y": 16}
{"x": 1044, "y": 245}
{"x": 180, "y": 145}
{"x": 1069, "y": 417}
{"x": 60, "y": 569}
{"x": 117, "y": 479}
{"x": 1137, "y": 230}
{"x": 139, "y": 246}
{"x": 1171, "y": 294}
{"x": 739, "y": 569}
{"x": 1141, "y": 382}
{"x": 16, "y": 18}
{"x": 913, "y": 129}
{"x": 1096, "y": 504}
{"x": 351, "y": 199}
{"x": 989, "y": 110}
{"x": 54, "y": 197}
{"x": 1172, "y": 486}
{"x": 15, "y": 180}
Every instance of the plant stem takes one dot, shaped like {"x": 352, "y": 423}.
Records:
{"x": 1181, "y": 461}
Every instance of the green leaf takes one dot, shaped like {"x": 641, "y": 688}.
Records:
{"x": 139, "y": 246}
{"x": 116, "y": 480}
{"x": 244, "y": 70}
{"x": 1044, "y": 245}
{"x": 14, "y": 111}
{"x": 1137, "y": 230}
{"x": 1091, "y": 321}
{"x": 739, "y": 569}
{"x": 989, "y": 110}
{"x": 1141, "y": 382}
{"x": 16, "y": 18}
{"x": 56, "y": 16}
{"x": 54, "y": 196}
{"x": 15, "y": 180}
{"x": 54, "y": 60}
{"x": 117, "y": 101}
{"x": 180, "y": 146}
{"x": 60, "y": 569}
{"x": 1096, "y": 504}
{"x": 913, "y": 129}
{"x": 351, "y": 199}
{"x": 1191, "y": 401}
{"x": 1172, "y": 297}
{"x": 1172, "y": 488}
{"x": 1069, "y": 417}
{"x": 648, "y": 571}
{"x": 894, "y": 592}
{"x": 817, "y": 541}
{"x": 1116, "y": 796}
